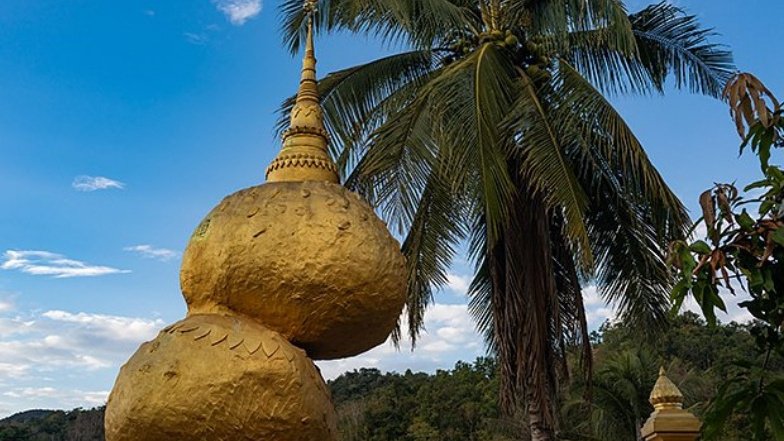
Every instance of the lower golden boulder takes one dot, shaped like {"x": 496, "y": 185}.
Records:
{"x": 219, "y": 378}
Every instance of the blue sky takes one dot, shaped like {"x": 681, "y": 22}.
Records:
{"x": 172, "y": 104}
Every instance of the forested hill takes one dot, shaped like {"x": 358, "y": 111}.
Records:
{"x": 53, "y": 425}
{"x": 460, "y": 404}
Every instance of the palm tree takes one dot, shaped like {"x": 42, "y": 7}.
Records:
{"x": 619, "y": 404}
{"x": 620, "y": 394}
{"x": 491, "y": 128}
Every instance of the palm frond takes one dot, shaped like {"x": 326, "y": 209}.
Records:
{"x": 471, "y": 98}
{"x": 668, "y": 42}
{"x": 557, "y": 19}
{"x": 418, "y": 23}
{"x": 358, "y": 99}
{"x": 673, "y": 42}
{"x": 585, "y": 111}
{"x": 545, "y": 167}
{"x": 402, "y": 171}
{"x": 632, "y": 213}
{"x": 631, "y": 270}
{"x": 397, "y": 163}
{"x": 610, "y": 68}
{"x": 480, "y": 295}
{"x": 429, "y": 248}
{"x": 572, "y": 326}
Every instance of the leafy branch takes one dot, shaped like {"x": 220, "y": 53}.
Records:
{"x": 747, "y": 249}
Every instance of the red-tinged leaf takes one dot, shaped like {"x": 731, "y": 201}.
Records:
{"x": 724, "y": 203}
{"x": 770, "y": 246}
{"x": 708, "y": 209}
{"x": 703, "y": 261}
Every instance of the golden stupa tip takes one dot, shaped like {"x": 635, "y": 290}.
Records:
{"x": 304, "y": 156}
{"x": 665, "y": 394}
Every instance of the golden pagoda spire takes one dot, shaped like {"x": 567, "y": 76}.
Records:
{"x": 665, "y": 394}
{"x": 669, "y": 421}
{"x": 304, "y": 156}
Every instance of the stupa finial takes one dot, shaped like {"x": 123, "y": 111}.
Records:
{"x": 665, "y": 394}
{"x": 304, "y": 156}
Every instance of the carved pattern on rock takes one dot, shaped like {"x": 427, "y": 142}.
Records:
{"x": 219, "y": 378}
{"x": 302, "y": 160}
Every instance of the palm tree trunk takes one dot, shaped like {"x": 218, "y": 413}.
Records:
{"x": 525, "y": 303}
{"x": 535, "y": 263}
{"x": 540, "y": 430}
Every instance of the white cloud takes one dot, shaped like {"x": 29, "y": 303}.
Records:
{"x": 96, "y": 398}
{"x": 597, "y": 311}
{"x": 239, "y": 11}
{"x": 449, "y": 337}
{"x": 5, "y": 305}
{"x": 35, "y": 353}
{"x": 455, "y": 335}
{"x": 103, "y": 327}
{"x": 458, "y": 284}
{"x": 591, "y": 296}
{"x": 13, "y": 370}
{"x": 13, "y": 325}
{"x": 69, "y": 398}
{"x": 58, "y": 349}
{"x": 44, "y": 263}
{"x": 32, "y": 392}
{"x": 198, "y": 39}
{"x": 150, "y": 252}
{"x": 739, "y": 315}
{"x": 93, "y": 183}
{"x": 597, "y": 316}
{"x": 437, "y": 347}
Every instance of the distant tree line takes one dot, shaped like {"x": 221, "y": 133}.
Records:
{"x": 54, "y": 425}
{"x": 461, "y": 404}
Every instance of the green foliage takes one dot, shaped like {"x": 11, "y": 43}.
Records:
{"x": 618, "y": 403}
{"x": 746, "y": 250}
{"x": 451, "y": 405}
{"x": 751, "y": 391}
{"x": 75, "y": 425}
{"x": 461, "y": 403}
{"x": 699, "y": 357}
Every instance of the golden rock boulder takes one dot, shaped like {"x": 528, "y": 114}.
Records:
{"x": 309, "y": 260}
{"x": 219, "y": 378}
{"x": 298, "y": 267}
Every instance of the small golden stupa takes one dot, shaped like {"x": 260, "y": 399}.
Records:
{"x": 669, "y": 420}
{"x": 296, "y": 269}
{"x": 665, "y": 394}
